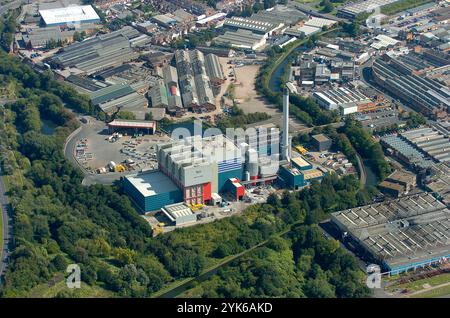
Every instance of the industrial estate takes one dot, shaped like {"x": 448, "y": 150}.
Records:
{"x": 267, "y": 122}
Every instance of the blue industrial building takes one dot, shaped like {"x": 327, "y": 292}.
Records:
{"x": 151, "y": 191}
{"x": 228, "y": 169}
{"x": 400, "y": 235}
{"x": 299, "y": 173}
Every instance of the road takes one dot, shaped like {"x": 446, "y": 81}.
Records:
{"x": 4, "y": 204}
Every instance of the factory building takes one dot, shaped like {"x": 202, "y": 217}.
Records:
{"x": 353, "y": 9}
{"x": 152, "y": 190}
{"x": 264, "y": 28}
{"x": 438, "y": 181}
{"x": 179, "y": 213}
{"x": 164, "y": 20}
{"x": 431, "y": 142}
{"x": 402, "y": 234}
{"x": 302, "y": 31}
{"x": 132, "y": 127}
{"x": 214, "y": 69}
{"x": 196, "y": 91}
{"x": 299, "y": 173}
{"x": 342, "y": 99}
{"x": 98, "y": 53}
{"x": 241, "y": 39}
{"x": 406, "y": 152}
{"x": 321, "y": 142}
{"x": 200, "y": 166}
{"x": 165, "y": 92}
{"x": 69, "y": 15}
{"x": 398, "y": 183}
{"x": 425, "y": 95}
{"x": 235, "y": 188}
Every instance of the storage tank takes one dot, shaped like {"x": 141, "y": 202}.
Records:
{"x": 251, "y": 163}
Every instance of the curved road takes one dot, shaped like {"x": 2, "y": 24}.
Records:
{"x": 4, "y": 206}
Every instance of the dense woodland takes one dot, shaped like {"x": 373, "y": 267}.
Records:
{"x": 238, "y": 119}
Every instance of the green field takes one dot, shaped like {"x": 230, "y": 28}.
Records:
{"x": 402, "y": 6}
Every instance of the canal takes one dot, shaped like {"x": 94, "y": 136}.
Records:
{"x": 276, "y": 78}
{"x": 371, "y": 177}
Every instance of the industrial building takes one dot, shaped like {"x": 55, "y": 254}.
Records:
{"x": 164, "y": 20}
{"x": 241, "y": 39}
{"x": 279, "y": 15}
{"x": 302, "y": 31}
{"x": 353, "y": 9}
{"x": 152, "y": 190}
{"x": 166, "y": 93}
{"x": 321, "y": 142}
{"x": 116, "y": 96}
{"x": 342, "y": 99}
{"x": 132, "y": 127}
{"x": 214, "y": 69}
{"x": 264, "y": 28}
{"x": 38, "y": 38}
{"x": 438, "y": 182}
{"x": 179, "y": 213}
{"x": 195, "y": 86}
{"x": 319, "y": 22}
{"x": 425, "y": 95}
{"x": 200, "y": 166}
{"x": 382, "y": 42}
{"x": 398, "y": 183}
{"x": 431, "y": 142}
{"x": 401, "y": 234}
{"x": 69, "y": 15}
{"x": 299, "y": 173}
{"x": 406, "y": 152}
{"x": 98, "y": 53}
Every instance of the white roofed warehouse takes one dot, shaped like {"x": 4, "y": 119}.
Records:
{"x": 179, "y": 213}
{"x": 69, "y": 15}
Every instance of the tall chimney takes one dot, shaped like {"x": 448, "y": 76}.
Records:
{"x": 285, "y": 146}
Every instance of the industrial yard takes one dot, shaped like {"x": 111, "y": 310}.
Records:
{"x": 93, "y": 148}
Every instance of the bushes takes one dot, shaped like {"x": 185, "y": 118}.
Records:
{"x": 368, "y": 149}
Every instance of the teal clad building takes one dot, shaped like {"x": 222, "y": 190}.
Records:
{"x": 151, "y": 191}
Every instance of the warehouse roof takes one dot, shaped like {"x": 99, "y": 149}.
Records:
{"x": 321, "y": 138}
{"x": 152, "y": 183}
{"x": 240, "y": 38}
{"x": 299, "y": 161}
{"x": 133, "y": 123}
{"x": 177, "y": 210}
{"x": 402, "y": 232}
{"x": 382, "y": 41}
{"x": 319, "y": 22}
{"x": 69, "y": 14}
{"x": 108, "y": 93}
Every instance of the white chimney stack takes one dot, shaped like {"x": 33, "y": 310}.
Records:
{"x": 285, "y": 145}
